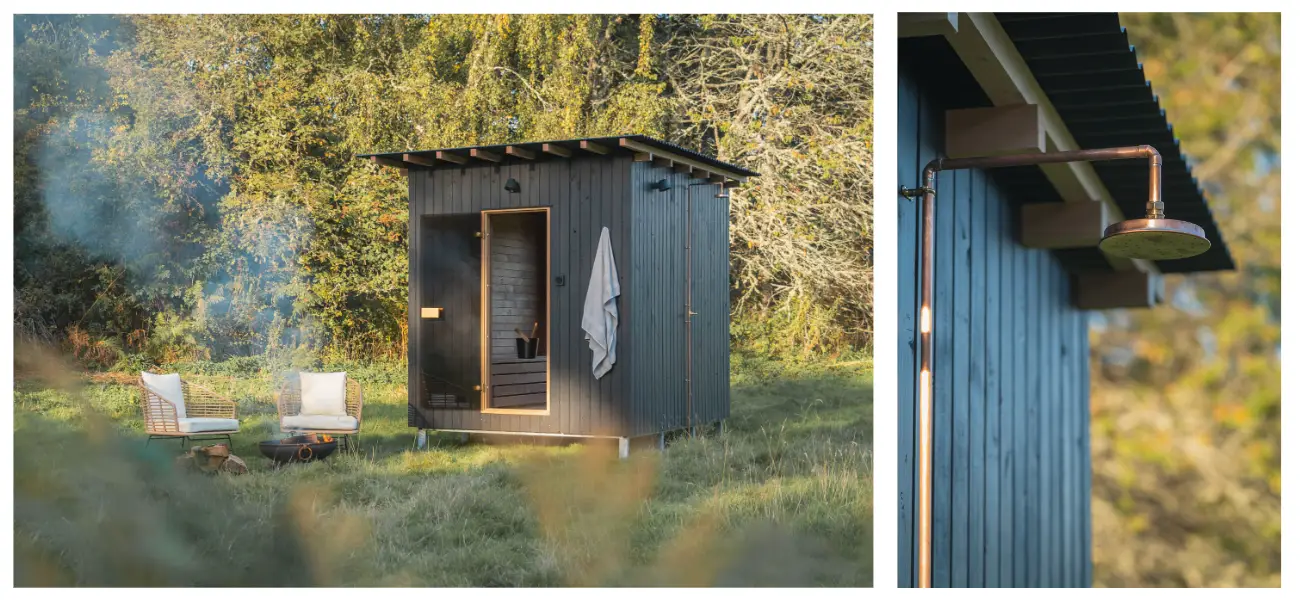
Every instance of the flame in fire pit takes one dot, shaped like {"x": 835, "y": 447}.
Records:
{"x": 325, "y": 438}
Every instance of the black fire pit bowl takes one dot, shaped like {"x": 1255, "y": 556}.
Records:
{"x": 299, "y": 448}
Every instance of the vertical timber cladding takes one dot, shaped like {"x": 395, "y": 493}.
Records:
{"x": 666, "y": 225}
{"x": 659, "y": 288}
{"x": 1011, "y": 474}
{"x": 584, "y": 194}
{"x": 710, "y": 303}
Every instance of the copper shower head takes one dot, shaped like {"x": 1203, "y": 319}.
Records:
{"x": 1154, "y": 239}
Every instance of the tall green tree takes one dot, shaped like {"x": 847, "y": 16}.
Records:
{"x": 1186, "y": 397}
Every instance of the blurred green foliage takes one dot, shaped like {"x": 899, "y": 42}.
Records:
{"x": 1186, "y": 398}
{"x": 186, "y": 187}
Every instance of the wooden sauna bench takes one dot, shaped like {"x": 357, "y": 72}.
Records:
{"x": 519, "y": 383}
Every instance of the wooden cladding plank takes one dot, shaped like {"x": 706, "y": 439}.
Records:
{"x": 979, "y": 425}
{"x": 960, "y": 370}
{"x": 1007, "y": 391}
{"x": 994, "y": 247}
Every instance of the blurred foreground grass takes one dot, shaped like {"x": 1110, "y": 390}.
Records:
{"x": 783, "y": 497}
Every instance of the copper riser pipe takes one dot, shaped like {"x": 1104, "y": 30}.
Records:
{"x": 925, "y": 376}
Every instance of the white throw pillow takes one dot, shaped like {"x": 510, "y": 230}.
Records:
{"x": 168, "y": 387}
{"x": 202, "y": 424}
{"x": 324, "y": 394}
{"x": 317, "y": 423}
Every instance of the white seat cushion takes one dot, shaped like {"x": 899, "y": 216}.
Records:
{"x": 201, "y": 424}
{"x": 168, "y": 387}
{"x": 324, "y": 394}
{"x": 318, "y": 422}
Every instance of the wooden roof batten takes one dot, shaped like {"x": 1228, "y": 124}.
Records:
{"x": 557, "y": 150}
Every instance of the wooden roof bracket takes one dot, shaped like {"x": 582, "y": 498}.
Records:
{"x": 992, "y": 58}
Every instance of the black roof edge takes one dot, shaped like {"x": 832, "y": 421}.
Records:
{"x": 572, "y": 144}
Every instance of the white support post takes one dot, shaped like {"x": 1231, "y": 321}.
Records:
{"x": 623, "y": 447}
{"x": 661, "y": 440}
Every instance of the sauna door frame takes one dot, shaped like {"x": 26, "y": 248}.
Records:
{"x": 485, "y": 320}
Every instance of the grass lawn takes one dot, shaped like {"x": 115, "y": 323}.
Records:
{"x": 783, "y": 497}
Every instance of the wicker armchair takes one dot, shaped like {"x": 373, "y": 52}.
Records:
{"x": 288, "y": 403}
{"x": 201, "y": 415}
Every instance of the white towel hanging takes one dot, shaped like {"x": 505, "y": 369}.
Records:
{"x": 599, "y": 312}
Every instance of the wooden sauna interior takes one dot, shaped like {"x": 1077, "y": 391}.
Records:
{"x": 516, "y": 273}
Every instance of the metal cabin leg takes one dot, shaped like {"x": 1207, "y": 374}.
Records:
{"x": 623, "y": 447}
{"x": 660, "y": 443}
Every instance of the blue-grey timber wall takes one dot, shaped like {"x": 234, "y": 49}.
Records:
{"x": 1011, "y": 459}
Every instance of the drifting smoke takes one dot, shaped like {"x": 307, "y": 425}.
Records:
{"x": 122, "y": 176}
{"x": 105, "y": 214}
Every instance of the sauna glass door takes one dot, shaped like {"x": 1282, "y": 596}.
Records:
{"x": 450, "y": 312}
{"x": 516, "y": 289}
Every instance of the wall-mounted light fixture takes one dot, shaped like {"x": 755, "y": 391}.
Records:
{"x": 512, "y": 186}
{"x": 661, "y": 186}
{"x": 1151, "y": 238}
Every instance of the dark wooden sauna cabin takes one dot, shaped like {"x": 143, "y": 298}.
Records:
{"x": 503, "y": 240}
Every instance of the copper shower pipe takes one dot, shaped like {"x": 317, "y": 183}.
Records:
{"x": 925, "y": 379}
